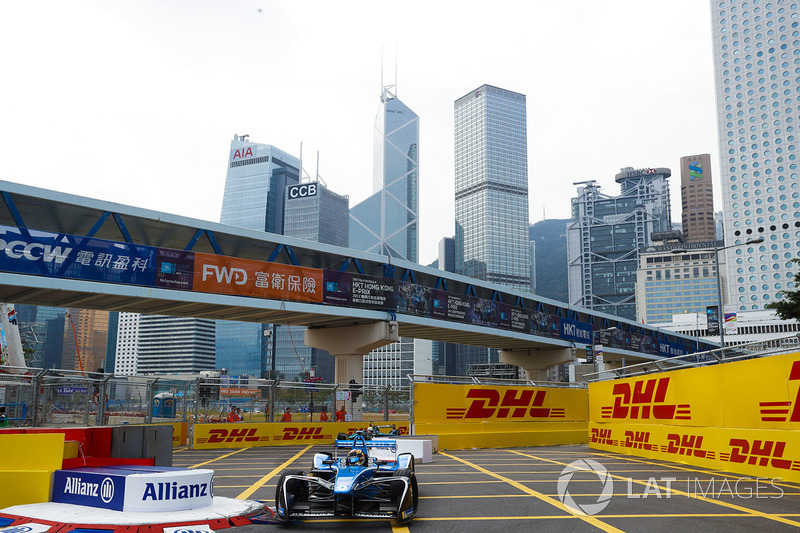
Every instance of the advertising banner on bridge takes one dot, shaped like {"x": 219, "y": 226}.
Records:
{"x": 742, "y": 416}
{"x": 245, "y": 277}
{"x": 358, "y": 290}
{"x": 66, "y": 256}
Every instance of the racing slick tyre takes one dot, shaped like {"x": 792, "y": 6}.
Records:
{"x": 341, "y": 436}
{"x": 295, "y": 490}
{"x": 406, "y": 506}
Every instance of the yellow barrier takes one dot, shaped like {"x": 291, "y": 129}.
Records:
{"x": 244, "y": 435}
{"x": 740, "y": 417}
{"x": 27, "y": 463}
{"x": 482, "y": 416}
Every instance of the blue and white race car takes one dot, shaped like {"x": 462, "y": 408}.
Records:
{"x": 370, "y": 480}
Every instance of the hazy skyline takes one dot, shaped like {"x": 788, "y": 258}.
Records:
{"x": 137, "y": 102}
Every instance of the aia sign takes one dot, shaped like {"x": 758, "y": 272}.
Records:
{"x": 644, "y": 401}
{"x": 241, "y": 153}
{"x": 779, "y": 411}
{"x": 515, "y": 403}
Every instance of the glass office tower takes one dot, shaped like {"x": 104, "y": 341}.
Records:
{"x": 491, "y": 173}
{"x": 387, "y": 222}
{"x": 255, "y": 182}
{"x": 756, "y": 64}
{"x": 491, "y": 195}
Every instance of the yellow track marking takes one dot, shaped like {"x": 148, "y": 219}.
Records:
{"x": 740, "y": 508}
{"x": 261, "y": 482}
{"x": 547, "y": 499}
{"x": 218, "y": 458}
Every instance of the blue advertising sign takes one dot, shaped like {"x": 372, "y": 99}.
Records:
{"x": 72, "y": 390}
{"x": 104, "y": 489}
{"x": 572, "y": 330}
{"x": 67, "y": 256}
{"x": 671, "y": 349}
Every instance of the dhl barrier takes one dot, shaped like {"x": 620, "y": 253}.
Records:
{"x": 244, "y": 435}
{"x": 740, "y": 416}
{"x": 484, "y": 416}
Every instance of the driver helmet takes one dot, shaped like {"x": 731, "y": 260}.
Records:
{"x": 357, "y": 457}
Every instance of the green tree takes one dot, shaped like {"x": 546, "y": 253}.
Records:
{"x": 788, "y": 306}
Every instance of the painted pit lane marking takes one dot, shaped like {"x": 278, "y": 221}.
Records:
{"x": 218, "y": 458}
{"x": 740, "y": 508}
{"x": 547, "y": 499}
{"x": 261, "y": 482}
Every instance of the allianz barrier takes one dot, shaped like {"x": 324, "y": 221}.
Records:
{"x": 490, "y": 416}
{"x": 740, "y": 416}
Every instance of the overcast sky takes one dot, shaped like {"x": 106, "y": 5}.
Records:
{"x": 136, "y": 102}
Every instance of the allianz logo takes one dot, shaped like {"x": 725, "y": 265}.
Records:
{"x": 174, "y": 491}
{"x": 34, "y": 251}
{"x": 79, "y": 487}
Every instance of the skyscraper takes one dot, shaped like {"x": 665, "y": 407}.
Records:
{"x": 491, "y": 196}
{"x": 758, "y": 108}
{"x": 697, "y": 198}
{"x": 175, "y": 345}
{"x": 491, "y": 187}
{"x": 387, "y": 222}
{"x": 254, "y": 198}
{"x": 314, "y": 213}
{"x": 606, "y": 233}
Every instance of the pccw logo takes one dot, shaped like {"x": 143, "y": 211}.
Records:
{"x": 232, "y": 435}
{"x": 516, "y": 403}
{"x": 645, "y": 401}
{"x": 307, "y": 433}
{"x": 779, "y": 411}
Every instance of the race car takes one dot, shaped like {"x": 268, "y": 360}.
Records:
{"x": 367, "y": 480}
{"x": 371, "y": 431}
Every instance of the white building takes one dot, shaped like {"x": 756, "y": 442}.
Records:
{"x": 749, "y": 326}
{"x": 127, "y": 349}
{"x": 758, "y": 107}
{"x": 173, "y": 345}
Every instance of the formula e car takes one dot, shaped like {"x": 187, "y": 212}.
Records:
{"x": 361, "y": 479}
{"x": 371, "y": 432}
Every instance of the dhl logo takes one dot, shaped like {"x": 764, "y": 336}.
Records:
{"x": 638, "y": 440}
{"x": 645, "y": 401}
{"x": 306, "y": 433}
{"x": 516, "y": 403}
{"x": 759, "y": 452}
{"x": 232, "y": 435}
{"x": 603, "y": 436}
{"x": 779, "y": 411}
{"x": 686, "y": 445}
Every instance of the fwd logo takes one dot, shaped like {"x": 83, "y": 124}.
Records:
{"x": 516, "y": 403}
{"x": 645, "y": 401}
{"x": 779, "y": 411}
{"x": 224, "y": 274}
{"x": 310, "y": 433}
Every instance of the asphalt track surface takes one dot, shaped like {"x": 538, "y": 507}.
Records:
{"x": 517, "y": 489}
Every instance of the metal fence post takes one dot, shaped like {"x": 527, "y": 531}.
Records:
{"x": 37, "y": 397}
{"x": 148, "y": 417}
{"x": 101, "y": 401}
{"x": 386, "y": 403}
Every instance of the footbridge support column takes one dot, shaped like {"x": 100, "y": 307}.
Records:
{"x": 349, "y": 345}
{"x": 536, "y": 361}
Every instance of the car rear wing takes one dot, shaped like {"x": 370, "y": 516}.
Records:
{"x": 390, "y": 445}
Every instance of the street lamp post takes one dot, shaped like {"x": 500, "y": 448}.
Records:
{"x": 594, "y": 344}
{"x": 720, "y": 302}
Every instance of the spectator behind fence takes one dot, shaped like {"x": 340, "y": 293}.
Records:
{"x": 341, "y": 414}
{"x": 233, "y": 416}
{"x": 287, "y": 415}
{"x": 323, "y": 415}
{"x": 3, "y": 418}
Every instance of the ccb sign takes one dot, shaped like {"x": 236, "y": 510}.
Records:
{"x": 302, "y": 191}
